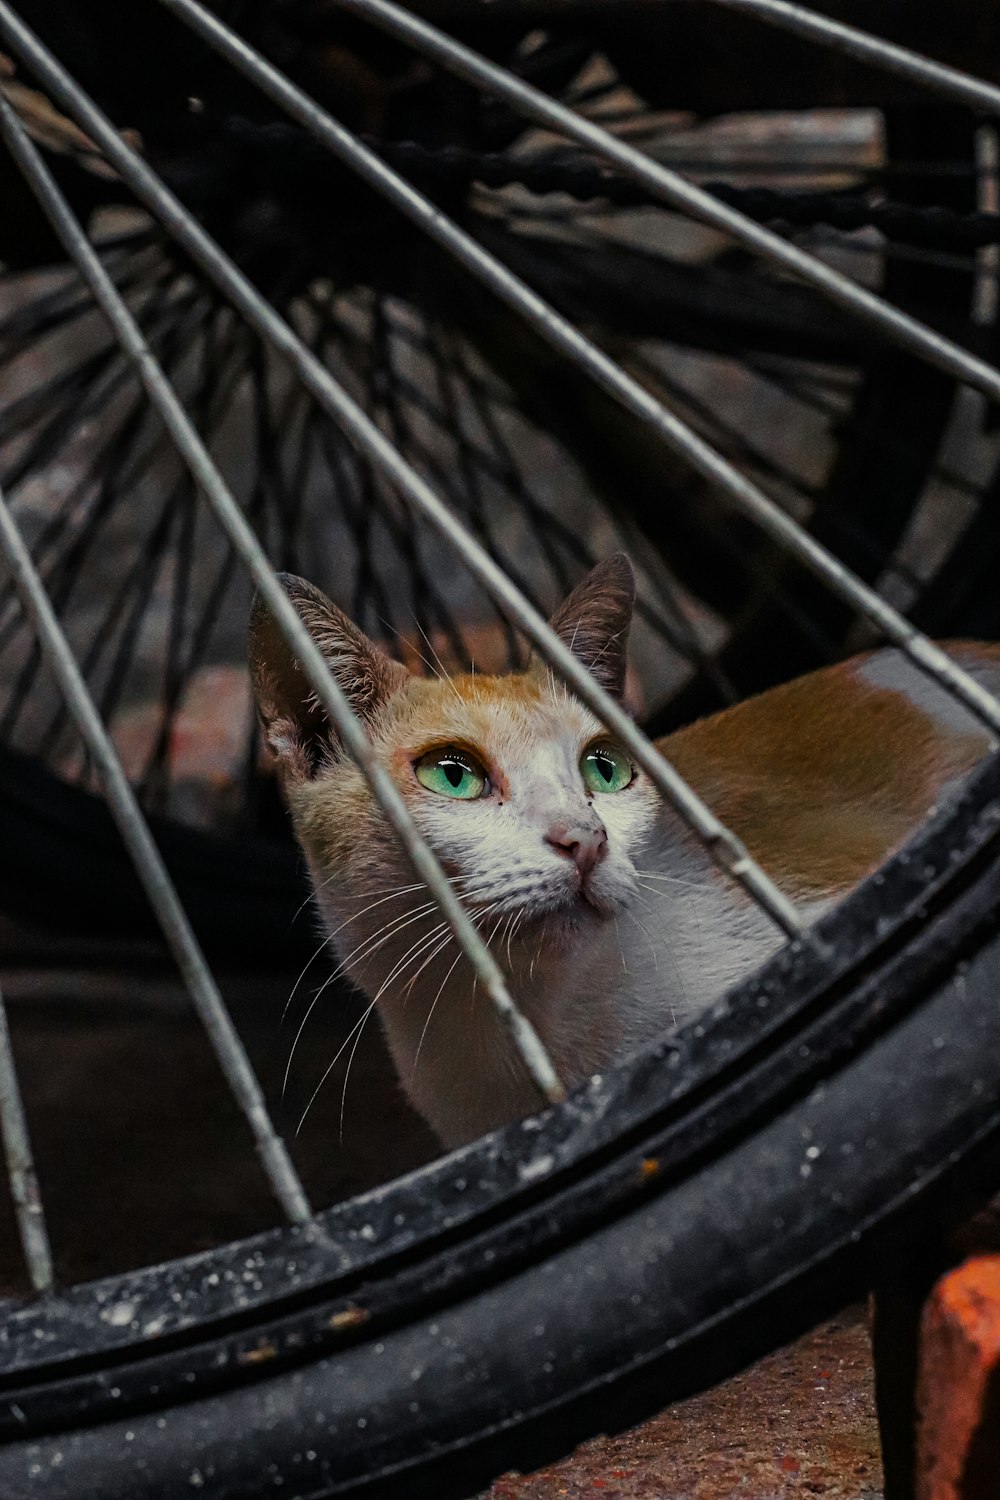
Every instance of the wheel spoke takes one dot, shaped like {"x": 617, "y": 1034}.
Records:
{"x": 21, "y": 1167}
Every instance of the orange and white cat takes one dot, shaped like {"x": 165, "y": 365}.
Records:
{"x": 608, "y": 916}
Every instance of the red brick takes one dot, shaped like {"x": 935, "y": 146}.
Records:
{"x": 958, "y": 1402}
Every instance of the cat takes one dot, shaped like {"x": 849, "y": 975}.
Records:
{"x": 607, "y": 914}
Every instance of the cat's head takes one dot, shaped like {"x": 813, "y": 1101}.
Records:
{"x": 524, "y": 797}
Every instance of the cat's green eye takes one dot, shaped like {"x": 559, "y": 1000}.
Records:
{"x": 605, "y": 768}
{"x": 451, "y": 773}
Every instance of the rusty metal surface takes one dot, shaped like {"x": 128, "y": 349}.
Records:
{"x": 801, "y": 1423}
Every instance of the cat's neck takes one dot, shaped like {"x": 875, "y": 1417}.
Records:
{"x": 596, "y": 992}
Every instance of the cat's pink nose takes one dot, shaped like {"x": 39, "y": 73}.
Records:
{"x": 586, "y": 847}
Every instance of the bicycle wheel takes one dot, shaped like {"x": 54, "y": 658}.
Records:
{"x": 661, "y": 1227}
{"x": 434, "y": 1332}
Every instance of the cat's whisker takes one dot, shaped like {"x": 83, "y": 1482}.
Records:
{"x": 656, "y": 951}
{"x": 311, "y": 897}
{"x": 446, "y": 677}
{"x": 430, "y": 1013}
{"x": 449, "y": 937}
{"x": 645, "y": 932}
{"x": 496, "y": 928}
{"x": 691, "y": 885}
{"x": 518, "y": 918}
{"x": 507, "y": 932}
{"x": 355, "y": 1032}
{"x": 654, "y": 890}
{"x": 304, "y": 971}
{"x": 302, "y": 1026}
{"x": 618, "y": 939}
{"x": 439, "y": 949}
{"x": 408, "y": 957}
{"x": 365, "y": 950}
{"x": 424, "y": 912}
{"x": 502, "y": 921}
{"x": 322, "y": 885}
{"x": 387, "y": 891}
{"x": 643, "y": 901}
{"x": 644, "y": 884}
{"x": 339, "y": 1053}
{"x": 393, "y": 891}
{"x": 442, "y": 944}
{"x": 696, "y": 917}
{"x": 347, "y": 1070}
{"x": 382, "y": 935}
{"x": 399, "y": 890}
{"x": 479, "y": 921}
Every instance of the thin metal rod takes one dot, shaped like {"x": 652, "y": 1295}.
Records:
{"x": 723, "y": 846}
{"x": 151, "y": 870}
{"x": 189, "y": 444}
{"x": 562, "y": 334}
{"x": 888, "y": 56}
{"x": 21, "y": 1167}
{"x": 122, "y": 802}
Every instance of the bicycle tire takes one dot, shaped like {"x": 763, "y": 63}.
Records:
{"x": 634, "y": 1193}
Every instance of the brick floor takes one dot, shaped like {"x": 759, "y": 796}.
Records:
{"x": 800, "y": 1423}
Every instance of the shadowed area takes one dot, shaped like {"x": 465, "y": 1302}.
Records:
{"x": 141, "y": 1154}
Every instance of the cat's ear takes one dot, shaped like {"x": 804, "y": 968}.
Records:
{"x": 296, "y": 727}
{"x": 593, "y": 621}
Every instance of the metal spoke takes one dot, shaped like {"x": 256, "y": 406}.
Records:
{"x": 952, "y": 83}
{"x": 151, "y": 869}
{"x": 21, "y": 1167}
{"x": 122, "y": 801}
{"x": 724, "y": 848}
{"x": 133, "y": 826}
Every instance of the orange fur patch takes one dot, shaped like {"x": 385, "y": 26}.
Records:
{"x": 822, "y": 778}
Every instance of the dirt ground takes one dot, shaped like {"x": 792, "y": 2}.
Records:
{"x": 800, "y": 1423}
